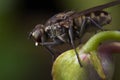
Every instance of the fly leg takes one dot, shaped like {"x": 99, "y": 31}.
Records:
{"x": 82, "y": 30}
{"x": 96, "y": 24}
{"x": 49, "y": 45}
{"x": 49, "y": 48}
{"x": 70, "y": 32}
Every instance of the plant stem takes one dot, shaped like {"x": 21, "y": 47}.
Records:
{"x": 94, "y": 42}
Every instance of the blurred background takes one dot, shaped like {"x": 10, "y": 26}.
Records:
{"x": 19, "y": 58}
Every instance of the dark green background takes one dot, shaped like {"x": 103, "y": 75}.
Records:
{"x": 19, "y": 58}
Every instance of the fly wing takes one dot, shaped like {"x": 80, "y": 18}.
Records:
{"x": 94, "y": 9}
{"x": 59, "y": 17}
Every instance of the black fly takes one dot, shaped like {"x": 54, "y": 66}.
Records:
{"x": 66, "y": 27}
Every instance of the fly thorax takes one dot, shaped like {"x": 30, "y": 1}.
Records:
{"x": 50, "y": 31}
{"x": 54, "y": 30}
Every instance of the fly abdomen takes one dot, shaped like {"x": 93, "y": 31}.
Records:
{"x": 101, "y": 17}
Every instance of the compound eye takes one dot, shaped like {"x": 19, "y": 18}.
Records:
{"x": 36, "y": 35}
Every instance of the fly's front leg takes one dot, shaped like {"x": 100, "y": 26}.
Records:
{"x": 54, "y": 43}
{"x": 73, "y": 45}
{"x": 49, "y": 45}
{"x": 51, "y": 51}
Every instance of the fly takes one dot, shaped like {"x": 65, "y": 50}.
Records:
{"x": 68, "y": 26}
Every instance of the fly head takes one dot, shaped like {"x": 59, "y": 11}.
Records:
{"x": 37, "y": 34}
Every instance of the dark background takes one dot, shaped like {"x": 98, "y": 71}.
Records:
{"x": 19, "y": 58}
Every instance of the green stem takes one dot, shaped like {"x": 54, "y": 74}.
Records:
{"x": 94, "y": 42}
